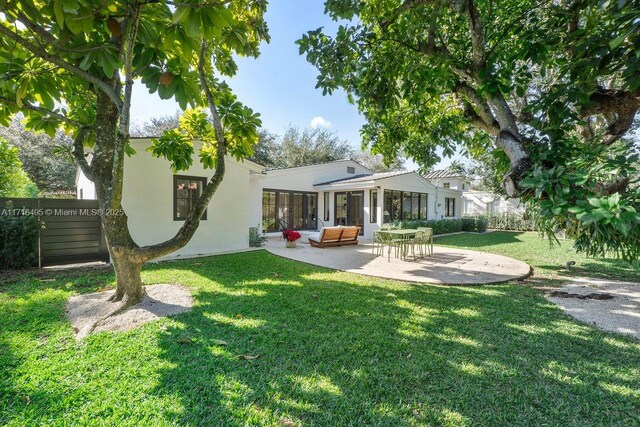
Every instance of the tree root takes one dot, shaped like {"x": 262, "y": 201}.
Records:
{"x": 123, "y": 303}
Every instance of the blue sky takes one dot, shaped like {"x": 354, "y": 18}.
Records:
{"x": 280, "y": 84}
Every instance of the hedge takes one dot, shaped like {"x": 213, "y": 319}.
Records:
{"x": 511, "y": 221}
{"x": 18, "y": 241}
{"x": 439, "y": 227}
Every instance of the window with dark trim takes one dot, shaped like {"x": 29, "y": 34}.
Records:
{"x": 446, "y": 185}
{"x": 351, "y": 169}
{"x": 403, "y": 205}
{"x": 186, "y": 192}
{"x": 327, "y": 212}
{"x": 290, "y": 209}
{"x": 373, "y": 209}
{"x": 449, "y": 207}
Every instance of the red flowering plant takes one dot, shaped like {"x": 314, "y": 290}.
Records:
{"x": 291, "y": 235}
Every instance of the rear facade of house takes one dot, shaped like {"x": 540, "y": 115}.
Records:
{"x": 346, "y": 193}
{"x": 303, "y": 198}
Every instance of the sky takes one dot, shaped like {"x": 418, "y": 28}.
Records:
{"x": 280, "y": 84}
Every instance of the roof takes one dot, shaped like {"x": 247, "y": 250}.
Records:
{"x": 444, "y": 173}
{"x": 364, "y": 178}
{"x": 318, "y": 164}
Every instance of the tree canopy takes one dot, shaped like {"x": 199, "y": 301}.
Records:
{"x": 552, "y": 87}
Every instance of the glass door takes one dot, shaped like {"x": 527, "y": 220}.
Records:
{"x": 349, "y": 209}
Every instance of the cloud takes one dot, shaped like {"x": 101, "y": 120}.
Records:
{"x": 320, "y": 122}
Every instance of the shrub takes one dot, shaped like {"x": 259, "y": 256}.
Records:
{"x": 477, "y": 224}
{"x": 511, "y": 221}
{"x": 443, "y": 226}
{"x": 18, "y": 241}
{"x": 256, "y": 239}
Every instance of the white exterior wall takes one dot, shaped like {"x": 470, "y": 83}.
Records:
{"x": 301, "y": 179}
{"x": 85, "y": 188}
{"x": 455, "y": 183}
{"x": 482, "y": 202}
{"x": 148, "y": 202}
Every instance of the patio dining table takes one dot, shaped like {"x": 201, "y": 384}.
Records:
{"x": 393, "y": 236}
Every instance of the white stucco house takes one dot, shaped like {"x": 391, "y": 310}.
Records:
{"x": 475, "y": 202}
{"x": 304, "y": 198}
{"x": 346, "y": 193}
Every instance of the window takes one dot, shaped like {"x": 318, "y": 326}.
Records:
{"x": 423, "y": 205}
{"x": 449, "y": 207}
{"x": 446, "y": 185}
{"x": 292, "y": 209}
{"x": 269, "y": 210}
{"x": 468, "y": 206}
{"x": 186, "y": 192}
{"x": 351, "y": 169}
{"x": 464, "y": 186}
{"x": 326, "y": 206}
{"x": 399, "y": 205}
{"x": 373, "y": 208}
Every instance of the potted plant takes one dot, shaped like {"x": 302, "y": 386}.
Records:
{"x": 291, "y": 236}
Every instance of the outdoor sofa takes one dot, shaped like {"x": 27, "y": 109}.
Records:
{"x": 335, "y": 236}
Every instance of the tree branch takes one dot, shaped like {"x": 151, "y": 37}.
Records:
{"x": 621, "y": 105}
{"x": 125, "y": 116}
{"x": 42, "y": 53}
{"x": 41, "y": 110}
{"x": 192, "y": 221}
{"x": 79, "y": 155}
{"x": 480, "y": 108}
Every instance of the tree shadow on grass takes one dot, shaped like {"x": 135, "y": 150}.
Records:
{"x": 334, "y": 350}
{"x": 480, "y": 240}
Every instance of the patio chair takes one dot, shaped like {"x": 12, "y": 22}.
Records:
{"x": 391, "y": 243}
{"x": 427, "y": 239}
{"x": 282, "y": 225}
{"x": 377, "y": 248}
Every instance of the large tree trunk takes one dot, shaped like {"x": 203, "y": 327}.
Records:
{"x": 127, "y": 267}
{"x": 127, "y": 261}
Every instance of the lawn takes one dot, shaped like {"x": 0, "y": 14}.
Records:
{"x": 334, "y": 349}
{"x": 548, "y": 261}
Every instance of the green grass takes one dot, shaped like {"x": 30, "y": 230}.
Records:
{"x": 335, "y": 349}
{"x": 548, "y": 261}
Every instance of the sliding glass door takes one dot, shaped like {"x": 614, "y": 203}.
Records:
{"x": 349, "y": 209}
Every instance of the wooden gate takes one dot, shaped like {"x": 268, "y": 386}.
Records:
{"x": 69, "y": 231}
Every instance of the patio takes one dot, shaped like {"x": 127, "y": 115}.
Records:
{"x": 447, "y": 266}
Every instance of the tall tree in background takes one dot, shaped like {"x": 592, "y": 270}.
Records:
{"x": 311, "y": 146}
{"x": 14, "y": 181}
{"x": 377, "y": 163}
{"x": 71, "y": 64}
{"x": 267, "y": 151}
{"x": 43, "y": 157}
{"x": 156, "y": 126}
{"x": 552, "y": 85}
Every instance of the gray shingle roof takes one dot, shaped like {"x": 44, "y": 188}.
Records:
{"x": 443, "y": 173}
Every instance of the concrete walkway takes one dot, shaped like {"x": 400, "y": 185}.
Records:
{"x": 446, "y": 266}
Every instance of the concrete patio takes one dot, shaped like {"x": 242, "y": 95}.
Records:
{"x": 447, "y": 265}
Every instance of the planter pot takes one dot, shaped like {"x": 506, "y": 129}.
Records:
{"x": 291, "y": 244}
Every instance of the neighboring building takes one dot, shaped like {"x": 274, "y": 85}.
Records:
{"x": 448, "y": 179}
{"x": 304, "y": 198}
{"x": 474, "y": 202}
{"x": 346, "y": 193}
{"x": 485, "y": 202}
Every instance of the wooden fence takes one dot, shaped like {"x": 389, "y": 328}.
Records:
{"x": 69, "y": 230}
